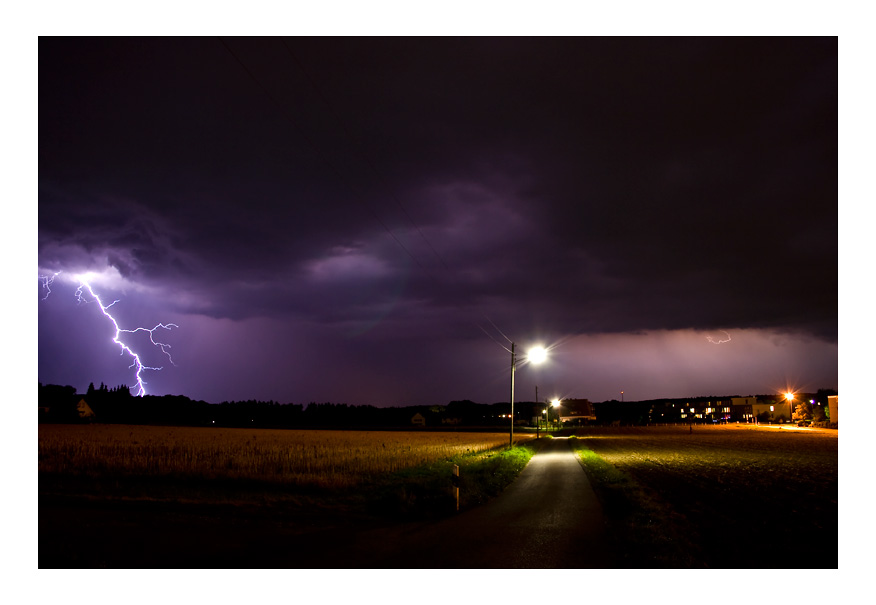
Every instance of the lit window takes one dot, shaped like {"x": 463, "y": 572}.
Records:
{"x": 772, "y": 408}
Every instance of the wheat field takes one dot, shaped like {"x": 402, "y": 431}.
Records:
{"x": 294, "y": 457}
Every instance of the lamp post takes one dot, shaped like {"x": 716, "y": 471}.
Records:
{"x": 536, "y": 418}
{"x": 790, "y": 398}
{"x": 513, "y": 369}
{"x": 536, "y": 355}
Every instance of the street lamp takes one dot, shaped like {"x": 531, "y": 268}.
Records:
{"x": 790, "y": 398}
{"x": 555, "y": 403}
{"x": 535, "y": 355}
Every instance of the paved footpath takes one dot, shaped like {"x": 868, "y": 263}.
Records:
{"x": 548, "y": 518}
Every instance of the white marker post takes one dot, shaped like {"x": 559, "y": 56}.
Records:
{"x": 455, "y": 480}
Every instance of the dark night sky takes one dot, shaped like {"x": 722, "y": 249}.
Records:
{"x": 355, "y": 219}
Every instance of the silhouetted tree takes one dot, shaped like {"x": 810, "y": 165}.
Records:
{"x": 61, "y": 402}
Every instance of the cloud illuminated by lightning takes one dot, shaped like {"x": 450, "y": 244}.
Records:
{"x": 721, "y": 341}
{"x": 137, "y": 363}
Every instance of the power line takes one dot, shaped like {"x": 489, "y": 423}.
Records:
{"x": 491, "y": 338}
{"x": 497, "y": 329}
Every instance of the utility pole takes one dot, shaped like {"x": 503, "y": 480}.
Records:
{"x": 513, "y": 368}
{"x": 536, "y": 407}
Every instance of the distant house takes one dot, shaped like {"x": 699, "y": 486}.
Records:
{"x": 699, "y": 410}
{"x": 742, "y": 409}
{"x": 576, "y": 411}
{"x": 833, "y": 407}
{"x": 84, "y": 409}
{"x": 777, "y": 409}
{"x": 418, "y": 420}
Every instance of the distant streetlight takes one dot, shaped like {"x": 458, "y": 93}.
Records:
{"x": 556, "y": 404}
{"x": 536, "y": 355}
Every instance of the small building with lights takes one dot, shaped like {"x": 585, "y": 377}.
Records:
{"x": 772, "y": 410}
{"x": 742, "y": 409}
{"x": 712, "y": 410}
{"x": 701, "y": 409}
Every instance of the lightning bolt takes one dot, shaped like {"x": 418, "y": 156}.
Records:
{"x": 47, "y": 283}
{"x": 137, "y": 362}
{"x": 718, "y": 342}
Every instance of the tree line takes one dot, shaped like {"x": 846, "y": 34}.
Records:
{"x": 117, "y": 405}
{"x": 60, "y": 404}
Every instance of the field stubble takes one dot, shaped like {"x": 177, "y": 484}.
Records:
{"x": 746, "y": 496}
{"x": 304, "y": 458}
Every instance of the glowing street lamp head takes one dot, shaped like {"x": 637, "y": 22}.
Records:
{"x": 789, "y": 396}
{"x": 537, "y": 354}
{"x": 555, "y": 402}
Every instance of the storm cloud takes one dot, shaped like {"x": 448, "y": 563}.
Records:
{"x": 345, "y": 218}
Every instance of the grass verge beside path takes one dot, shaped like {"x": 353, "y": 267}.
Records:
{"x": 425, "y": 491}
{"x": 644, "y": 531}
